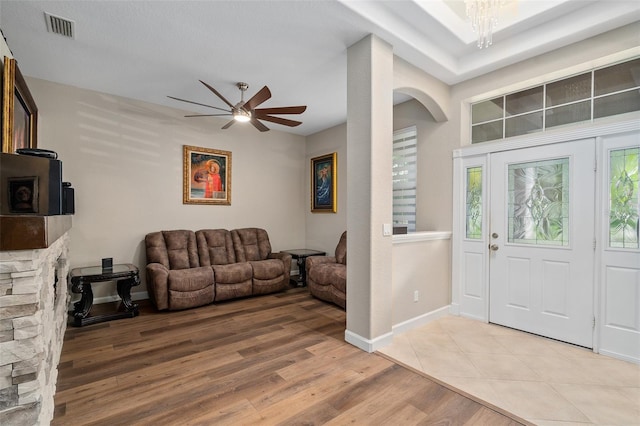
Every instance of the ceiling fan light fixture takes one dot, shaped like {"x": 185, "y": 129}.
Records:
{"x": 241, "y": 115}
{"x": 247, "y": 111}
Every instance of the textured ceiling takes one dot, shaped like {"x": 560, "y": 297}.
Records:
{"x": 147, "y": 50}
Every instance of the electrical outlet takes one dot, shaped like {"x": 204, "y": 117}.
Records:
{"x": 416, "y": 296}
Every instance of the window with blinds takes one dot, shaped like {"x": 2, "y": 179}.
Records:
{"x": 405, "y": 178}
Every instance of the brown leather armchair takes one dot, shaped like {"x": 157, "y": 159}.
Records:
{"x": 327, "y": 275}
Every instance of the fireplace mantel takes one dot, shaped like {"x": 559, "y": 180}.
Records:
{"x": 29, "y": 232}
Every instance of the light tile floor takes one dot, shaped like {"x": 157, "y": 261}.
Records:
{"x": 541, "y": 380}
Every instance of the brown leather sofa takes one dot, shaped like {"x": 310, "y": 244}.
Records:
{"x": 327, "y": 275}
{"x": 186, "y": 269}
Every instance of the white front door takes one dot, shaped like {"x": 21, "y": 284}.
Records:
{"x": 541, "y": 240}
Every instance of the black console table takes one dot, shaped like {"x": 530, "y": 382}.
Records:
{"x": 301, "y": 256}
{"x": 126, "y": 276}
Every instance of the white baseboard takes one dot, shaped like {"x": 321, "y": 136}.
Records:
{"x": 421, "y": 320}
{"x": 454, "y": 309}
{"x": 368, "y": 345}
{"x": 380, "y": 342}
{"x": 620, "y": 356}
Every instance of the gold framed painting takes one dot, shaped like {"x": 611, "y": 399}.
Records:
{"x": 19, "y": 110}
{"x": 207, "y": 176}
{"x": 324, "y": 180}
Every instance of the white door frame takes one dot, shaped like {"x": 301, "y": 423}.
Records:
{"x": 463, "y": 157}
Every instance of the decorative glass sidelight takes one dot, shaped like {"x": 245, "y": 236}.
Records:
{"x": 623, "y": 198}
{"x": 474, "y": 203}
{"x": 539, "y": 202}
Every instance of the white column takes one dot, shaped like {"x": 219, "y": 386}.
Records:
{"x": 369, "y": 193}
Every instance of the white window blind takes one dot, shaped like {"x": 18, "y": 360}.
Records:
{"x": 405, "y": 178}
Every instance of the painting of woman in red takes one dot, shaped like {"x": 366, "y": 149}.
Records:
{"x": 210, "y": 177}
{"x": 207, "y": 176}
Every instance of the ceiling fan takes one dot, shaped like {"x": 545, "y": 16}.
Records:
{"x": 247, "y": 111}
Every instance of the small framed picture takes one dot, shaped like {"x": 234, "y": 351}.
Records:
{"x": 23, "y": 194}
{"x": 324, "y": 179}
{"x": 207, "y": 176}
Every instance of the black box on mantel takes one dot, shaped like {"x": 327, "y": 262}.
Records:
{"x": 68, "y": 199}
{"x": 30, "y": 185}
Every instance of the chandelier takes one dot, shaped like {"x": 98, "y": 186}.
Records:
{"x": 483, "y": 15}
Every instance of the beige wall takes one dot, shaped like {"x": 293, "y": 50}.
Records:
{"x": 323, "y": 230}
{"x": 124, "y": 159}
{"x": 421, "y": 266}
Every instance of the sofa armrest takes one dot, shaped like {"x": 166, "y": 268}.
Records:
{"x": 312, "y": 261}
{"x": 280, "y": 255}
{"x": 286, "y": 260}
{"x": 158, "y": 285}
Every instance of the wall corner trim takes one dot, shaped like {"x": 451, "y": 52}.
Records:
{"x": 368, "y": 345}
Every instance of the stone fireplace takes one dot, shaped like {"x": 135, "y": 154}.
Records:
{"x": 33, "y": 318}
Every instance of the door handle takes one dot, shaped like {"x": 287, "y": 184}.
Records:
{"x": 493, "y": 247}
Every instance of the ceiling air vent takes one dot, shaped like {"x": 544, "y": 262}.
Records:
{"x": 58, "y": 25}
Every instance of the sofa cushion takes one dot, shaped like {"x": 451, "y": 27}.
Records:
{"x": 215, "y": 247}
{"x": 190, "y": 299}
{"x": 234, "y": 273}
{"x": 233, "y": 281}
{"x": 250, "y": 244}
{"x": 190, "y": 279}
{"x": 173, "y": 249}
{"x": 267, "y": 269}
{"x": 268, "y": 276}
{"x": 188, "y": 288}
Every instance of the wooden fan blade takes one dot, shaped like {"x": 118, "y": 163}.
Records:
{"x": 257, "y": 99}
{"x": 218, "y": 94}
{"x": 283, "y": 110}
{"x": 229, "y": 124}
{"x": 197, "y": 103}
{"x": 278, "y": 120}
{"x": 258, "y": 125}
{"x": 208, "y": 115}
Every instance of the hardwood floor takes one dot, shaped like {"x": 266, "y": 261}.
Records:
{"x": 276, "y": 359}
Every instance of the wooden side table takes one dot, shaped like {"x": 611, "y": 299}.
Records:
{"x": 126, "y": 275}
{"x": 301, "y": 256}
